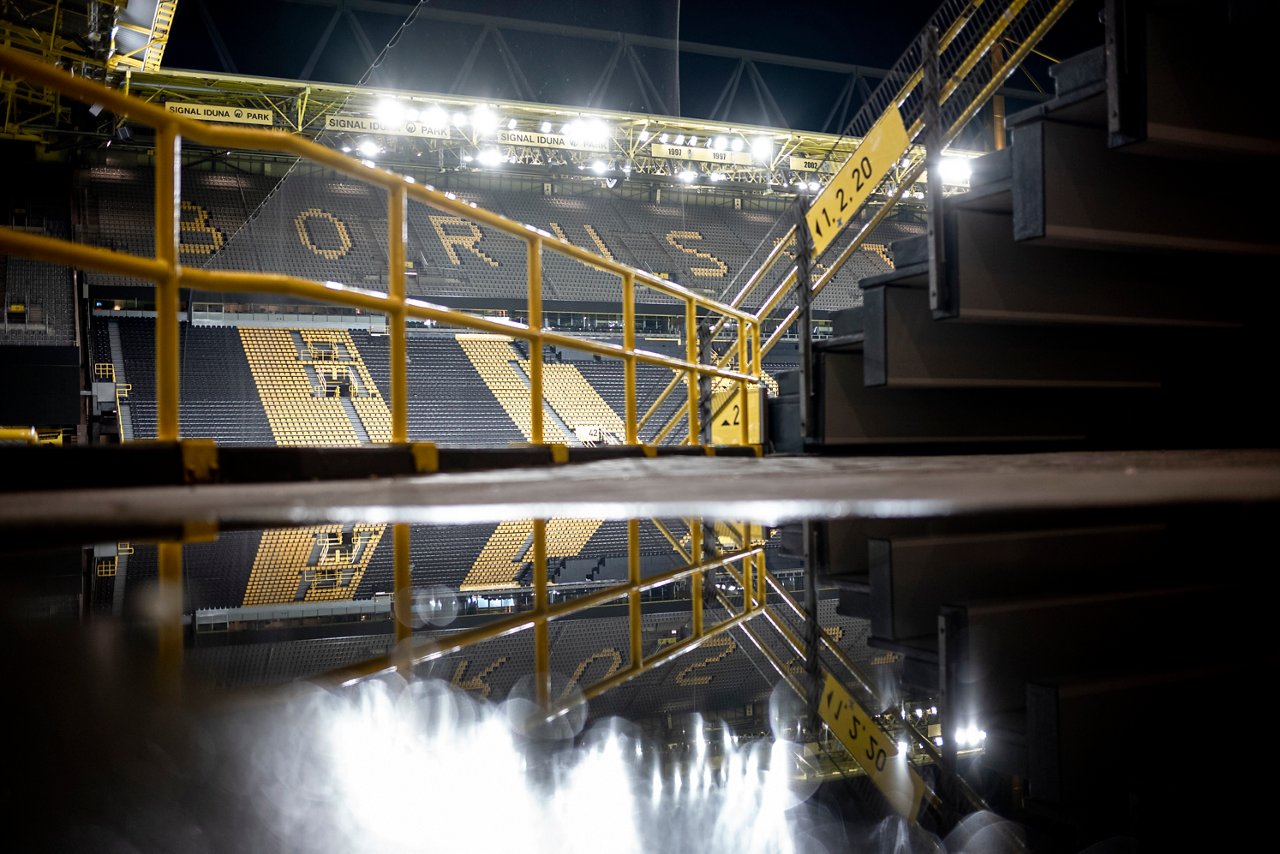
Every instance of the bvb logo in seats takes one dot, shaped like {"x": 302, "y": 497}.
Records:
{"x": 337, "y": 229}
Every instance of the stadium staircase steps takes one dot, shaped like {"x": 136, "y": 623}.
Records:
{"x": 124, "y": 411}
{"x": 354, "y": 417}
{"x": 296, "y": 414}
{"x": 1095, "y": 293}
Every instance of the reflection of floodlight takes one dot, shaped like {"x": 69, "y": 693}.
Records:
{"x": 368, "y": 148}
{"x": 546, "y": 127}
{"x": 346, "y": 149}
{"x": 687, "y": 176}
{"x": 644, "y": 136}
{"x": 737, "y": 144}
{"x": 663, "y": 139}
{"x": 511, "y": 124}
{"x": 720, "y": 143}
{"x": 813, "y": 186}
{"x": 460, "y": 120}
{"x": 599, "y": 167}
{"x": 762, "y": 148}
{"x": 488, "y": 157}
{"x": 693, "y": 140}
{"x": 680, "y": 139}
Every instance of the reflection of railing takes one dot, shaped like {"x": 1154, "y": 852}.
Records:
{"x": 748, "y": 564}
{"x": 169, "y": 275}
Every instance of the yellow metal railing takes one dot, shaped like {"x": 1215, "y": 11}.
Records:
{"x": 166, "y": 271}
{"x": 1004, "y": 64}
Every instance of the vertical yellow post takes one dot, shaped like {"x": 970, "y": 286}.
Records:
{"x": 633, "y": 595}
{"x": 629, "y": 364}
{"x": 692, "y": 356}
{"x": 762, "y": 590}
{"x": 402, "y": 589}
{"x": 757, "y": 369}
{"x": 397, "y": 235}
{"x": 744, "y": 435}
{"x": 997, "y": 101}
{"x": 535, "y": 346}
{"x": 169, "y": 621}
{"x": 695, "y": 579}
{"x": 168, "y": 205}
{"x": 541, "y": 644}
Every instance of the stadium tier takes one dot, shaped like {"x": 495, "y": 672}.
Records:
{"x": 327, "y": 228}
{"x": 316, "y": 387}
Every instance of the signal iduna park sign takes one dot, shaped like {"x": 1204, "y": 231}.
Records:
{"x": 548, "y": 140}
{"x": 218, "y": 113}
{"x": 361, "y": 124}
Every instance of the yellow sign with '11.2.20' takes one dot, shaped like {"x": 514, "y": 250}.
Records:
{"x": 870, "y": 162}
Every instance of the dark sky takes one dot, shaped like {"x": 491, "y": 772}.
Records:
{"x": 276, "y": 38}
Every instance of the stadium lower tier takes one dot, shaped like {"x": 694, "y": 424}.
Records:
{"x": 331, "y": 387}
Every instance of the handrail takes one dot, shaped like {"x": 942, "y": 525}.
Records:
{"x": 955, "y": 80}
{"x": 169, "y": 275}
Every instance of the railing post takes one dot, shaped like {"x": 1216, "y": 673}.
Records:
{"x": 804, "y": 303}
{"x": 695, "y": 579}
{"x": 169, "y": 618}
{"x": 744, "y": 435}
{"x": 541, "y": 644}
{"x": 691, "y": 356}
{"x": 629, "y": 364}
{"x": 633, "y": 594}
{"x": 402, "y": 592}
{"x": 397, "y": 235}
{"x": 168, "y": 205}
{"x": 535, "y": 345}
{"x": 933, "y": 141}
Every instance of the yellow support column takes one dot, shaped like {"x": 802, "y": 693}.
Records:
{"x": 169, "y": 620}
{"x": 692, "y": 356}
{"x": 397, "y": 232}
{"x": 403, "y": 582}
{"x": 633, "y": 594}
{"x": 629, "y": 365}
{"x": 541, "y": 644}
{"x": 168, "y": 203}
{"x": 695, "y": 580}
{"x": 744, "y": 436}
{"x": 535, "y": 346}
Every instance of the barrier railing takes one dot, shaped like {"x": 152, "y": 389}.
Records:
{"x": 893, "y": 119}
{"x": 166, "y": 271}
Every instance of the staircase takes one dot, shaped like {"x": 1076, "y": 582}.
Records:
{"x": 1088, "y": 292}
{"x": 124, "y": 412}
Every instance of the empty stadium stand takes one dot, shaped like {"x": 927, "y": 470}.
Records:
{"x": 330, "y": 229}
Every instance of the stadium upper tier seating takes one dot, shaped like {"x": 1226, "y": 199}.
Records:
{"x": 331, "y": 228}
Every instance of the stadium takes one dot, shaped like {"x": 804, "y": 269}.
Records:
{"x": 498, "y": 426}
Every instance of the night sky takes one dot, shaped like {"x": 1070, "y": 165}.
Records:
{"x": 275, "y": 38}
